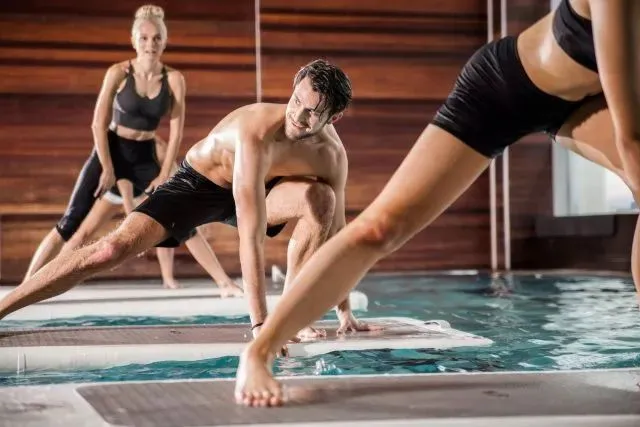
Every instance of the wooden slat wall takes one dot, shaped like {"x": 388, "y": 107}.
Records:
{"x": 53, "y": 56}
{"x": 402, "y": 58}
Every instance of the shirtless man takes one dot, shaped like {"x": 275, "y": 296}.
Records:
{"x": 260, "y": 167}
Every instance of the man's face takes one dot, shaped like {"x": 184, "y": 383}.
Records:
{"x": 304, "y": 116}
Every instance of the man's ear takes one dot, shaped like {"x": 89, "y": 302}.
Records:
{"x": 335, "y": 118}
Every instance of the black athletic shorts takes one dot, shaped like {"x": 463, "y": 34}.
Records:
{"x": 132, "y": 160}
{"x": 189, "y": 199}
{"x": 494, "y": 103}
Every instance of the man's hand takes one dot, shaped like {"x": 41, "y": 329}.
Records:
{"x": 157, "y": 181}
{"x": 348, "y": 323}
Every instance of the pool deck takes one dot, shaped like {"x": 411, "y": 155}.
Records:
{"x": 567, "y": 398}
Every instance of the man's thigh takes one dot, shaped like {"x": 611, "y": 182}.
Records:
{"x": 288, "y": 200}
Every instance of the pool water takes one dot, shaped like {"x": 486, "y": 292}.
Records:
{"x": 537, "y": 322}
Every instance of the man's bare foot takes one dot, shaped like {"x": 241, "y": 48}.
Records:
{"x": 231, "y": 290}
{"x": 255, "y": 385}
{"x": 171, "y": 284}
{"x": 309, "y": 333}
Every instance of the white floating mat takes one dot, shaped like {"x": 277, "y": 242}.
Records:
{"x": 99, "y": 347}
{"x": 132, "y": 300}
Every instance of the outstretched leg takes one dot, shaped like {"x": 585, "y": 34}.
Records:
{"x": 204, "y": 255}
{"x": 48, "y": 248}
{"x": 138, "y": 232}
{"x": 437, "y": 170}
{"x": 311, "y": 205}
{"x": 53, "y": 244}
{"x": 101, "y": 212}
{"x": 80, "y": 203}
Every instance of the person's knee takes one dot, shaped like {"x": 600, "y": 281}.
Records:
{"x": 67, "y": 227}
{"x": 111, "y": 249}
{"x": 321, "y": 201}
{"x": 78, "y": 239}
{"x": 384, "y": 232}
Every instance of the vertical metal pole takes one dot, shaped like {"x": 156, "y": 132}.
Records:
{"x": 506, "y": 199}
{"x": 492, "y": 168}
{"x": 258, "y": 51}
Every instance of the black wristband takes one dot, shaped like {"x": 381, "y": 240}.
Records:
{"x": 257, "y": 325}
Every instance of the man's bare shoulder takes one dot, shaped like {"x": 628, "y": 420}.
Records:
{"x": 334, "y": 143}
{"x": 260, "y": 120}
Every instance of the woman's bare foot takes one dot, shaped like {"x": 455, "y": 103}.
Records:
{"x": 255, "y": 385}
{"x": 171, "y": 284}
{"x": 230, "y": 289}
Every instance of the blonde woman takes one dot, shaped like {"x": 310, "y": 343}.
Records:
{"x": 135, "y": 96}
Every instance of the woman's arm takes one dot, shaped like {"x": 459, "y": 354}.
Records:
{"x": 100, "y": 125}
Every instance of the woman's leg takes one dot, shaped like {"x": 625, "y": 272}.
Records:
{"x": 165, "y": 255}
{"x": 48, "y": 248}
{"x": 589, "y": 132}
{"x": 101, "y": 212}
{"x": 437, "y": 170}
{"x": 80, "y": 203}
{"x": 204, "y": 255}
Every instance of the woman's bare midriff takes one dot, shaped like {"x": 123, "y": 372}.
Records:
{"x": 550, "y": 68}
{"x": 132, "y": 134}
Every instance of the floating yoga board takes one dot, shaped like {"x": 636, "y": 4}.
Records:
{"x": 100, "y": 347}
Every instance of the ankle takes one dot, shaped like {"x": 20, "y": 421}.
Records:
{"x": 258, "y": 350}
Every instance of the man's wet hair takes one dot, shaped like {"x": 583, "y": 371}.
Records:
{"x": 330, "y": 82}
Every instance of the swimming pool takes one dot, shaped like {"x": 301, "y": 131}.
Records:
{"x": 538, "y": 322}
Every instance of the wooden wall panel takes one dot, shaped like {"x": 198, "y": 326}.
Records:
{"x": 213, "y": 11}
{"x": 402, "y": 58}
{"x": 53, "y": 56}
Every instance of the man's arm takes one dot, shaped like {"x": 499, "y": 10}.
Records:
{"x": 616, "y": 38}
{"x": 338, "y": 183}
{"x": 249, "y": 173}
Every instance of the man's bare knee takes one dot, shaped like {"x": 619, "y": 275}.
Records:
{"x": 109, "y": 250}
{"x": 321, "y": 201}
